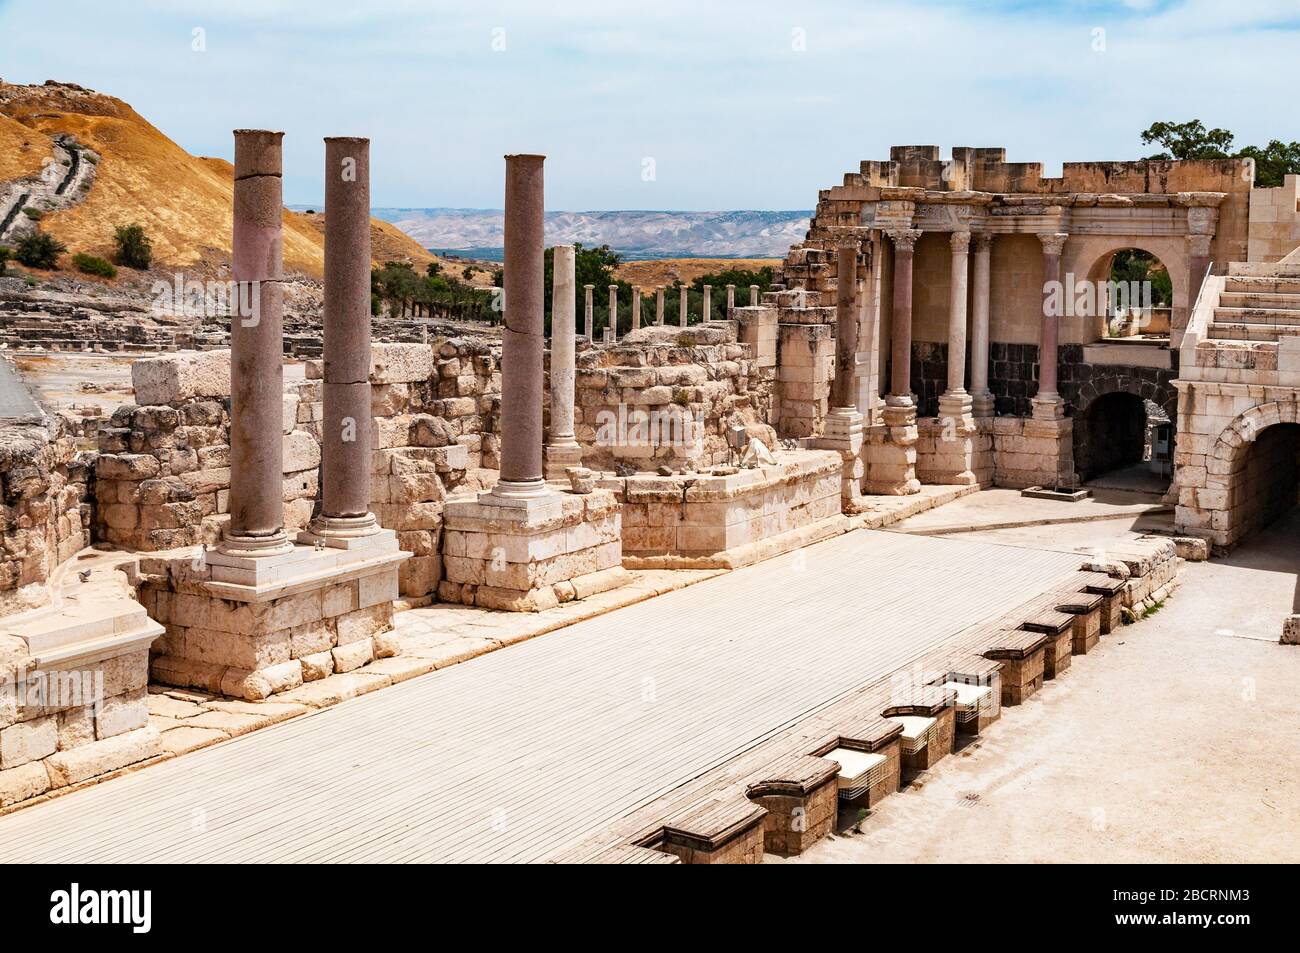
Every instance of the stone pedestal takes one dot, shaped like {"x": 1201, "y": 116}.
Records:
{"x": 890, "y": 452}
{"x": 531, "y": 555}
{"x": 251, "y": 627}
{"x": 955, "y": 449}
{"x": 843, "y": 432}
{"x": 1033, "y": 451}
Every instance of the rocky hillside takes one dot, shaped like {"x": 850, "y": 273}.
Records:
{"x": 140, "y": 176}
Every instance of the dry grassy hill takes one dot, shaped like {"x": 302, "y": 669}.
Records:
{"x": 664, "y": 271}
{"x": 183, "y": 201}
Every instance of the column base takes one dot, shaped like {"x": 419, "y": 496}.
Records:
{"x": 342, "y": 532}
{"x": 255, "y": 547}
{"x": 1048, "y": 407}
{"x": 843, "y": 432}
{"x": 890, "y": 451}
{"x": 521, "y": 493}
{"x": 983, "y": 404}
{"x": 559, "y": 457}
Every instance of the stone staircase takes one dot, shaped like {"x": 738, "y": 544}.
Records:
{"x": 1258, "y": 303}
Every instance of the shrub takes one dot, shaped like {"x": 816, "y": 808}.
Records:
{"x": 5, "y": 254}
{"x": 94, "y": 265}
{"x": 34, "y": 214}
{"x": 134, "y": 249}
{"x": 40, "y": 250}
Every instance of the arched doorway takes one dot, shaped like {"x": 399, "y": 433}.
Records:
{"x": 1123, "y": 441}
{"x": 1265, "y": 483}
{"x": 1139, "y": 295}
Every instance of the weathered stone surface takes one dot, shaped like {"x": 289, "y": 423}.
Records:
{"x": 28, "y": 741}
{"x": 179, "y": 377}
{"x": 100, "y": 757}
{"x": 24, "y": 782}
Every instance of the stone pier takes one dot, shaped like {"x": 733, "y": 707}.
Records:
{"x": 260, "y": 615}
{"x": 562, "y": 449}
{"x": 523, "y": 545}
{"x": 843, "y": 427}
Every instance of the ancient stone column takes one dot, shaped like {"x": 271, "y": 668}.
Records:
{"x": 1047, "y": 403}
{"x": 681, "y": 314}
{"x": 1198, "y": 257}
{"x": 562, "y": 450}
{"x": 731, "y": 298}
{"x": 753, "y": 296}
{"x": 708, "y": 302}
{"x": 900, "y": 377}
{"x": 345, "y": 429}
{"x": 613, "y": 313}
{"x": 256, "y": 526}
{"x": 659, "y": 306}
{"x": 523, "y": 327}
{"x": 636, "y": 308}
{"x": 955, "y": 402}
{"x": 846, "y": 326}
{"x": 981, "y": 396}
{"x": 590, "y": 316}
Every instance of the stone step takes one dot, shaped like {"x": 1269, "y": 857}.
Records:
{"x": 1262, "y": 285}
{"x": 1251, "y": 332}
{"x": 1278, "y": 316}
{"x": 1257, "y": 299}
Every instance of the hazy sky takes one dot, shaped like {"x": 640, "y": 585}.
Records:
{"x": 752, "y": 104}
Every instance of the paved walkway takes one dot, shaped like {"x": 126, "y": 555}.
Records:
{"x": 516, "y": 754}
{"x": 15, "y": 399}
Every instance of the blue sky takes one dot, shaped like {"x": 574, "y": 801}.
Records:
{"x": 739, "y": 105}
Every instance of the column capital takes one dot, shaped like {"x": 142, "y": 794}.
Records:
{"x": 960, "y": 242}
{"x": 904, "y": 239}
{"x": 1053, "y": 242}
{"x": 983, "y": 241}
{"x": 589, "y": 287}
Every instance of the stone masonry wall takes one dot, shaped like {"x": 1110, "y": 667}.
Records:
{"x": 45, "y": 513}
{"x": 633, "y": 400}
{"x": 163, "y": 474}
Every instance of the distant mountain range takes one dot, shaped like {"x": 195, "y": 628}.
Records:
{"x": 477, "y": 233}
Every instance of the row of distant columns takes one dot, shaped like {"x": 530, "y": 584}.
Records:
{"x": 956, "y": 401}
{"x": 590, "y": 310}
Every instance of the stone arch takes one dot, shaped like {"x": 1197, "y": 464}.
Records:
{"x": 1228, "y": 493}
{"x": 1091, "y": 255}
{"x": 1102, "y": 445}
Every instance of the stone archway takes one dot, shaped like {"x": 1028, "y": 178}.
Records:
{"x": 1252, "y": 473}
{"x": 1111, "y": 415}
{"x": 1091, "y": 257}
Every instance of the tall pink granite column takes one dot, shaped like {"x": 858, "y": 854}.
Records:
{"x": 256, "y": 526}
{"x": 345, "y": 429}
{"x": 900, "y": 376}
{"x": 1047, "y": 402}
{"x": 522, "y": 344}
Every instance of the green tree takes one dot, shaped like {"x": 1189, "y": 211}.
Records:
{"x": 134, "y": 248}
{"x": 1274, "y": 162}
{"x": 1188, "y": 140}
{"x": 1191, "y": 140}
{"x": 5, "y": 253}
{"x": 1135, "y": 265}
{"x": 39, "y": 250}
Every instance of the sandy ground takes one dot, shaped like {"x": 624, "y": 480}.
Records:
{"x": 1175, "y": 740}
